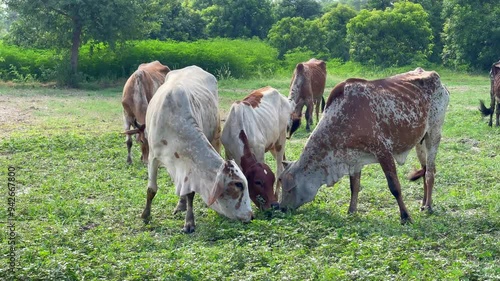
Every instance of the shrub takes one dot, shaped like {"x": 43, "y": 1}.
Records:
{"x": 239, "y": 58}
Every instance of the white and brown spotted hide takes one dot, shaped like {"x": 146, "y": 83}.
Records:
{"x": 263, "y": 116}
{"x": 183, "y": 131}
{"x": 137, "y": 92}
{"x": 306, "y": 88}
{"x": 371, "y": 122}
{"x": 494, "y": 96}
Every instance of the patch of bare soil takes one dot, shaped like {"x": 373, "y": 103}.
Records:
{"x": 16, "y": 113}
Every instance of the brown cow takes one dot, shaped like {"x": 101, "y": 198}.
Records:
{"x": 137, "y": 92}
{"x": 259, "y": 176}
{"x": 371, "y": 122}
{"x": 306, "y": 88}
{"x": 495, "y": 95}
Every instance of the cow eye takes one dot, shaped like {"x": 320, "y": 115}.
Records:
{"x": 258, "y": 182}
{"x": 239, "y": 185}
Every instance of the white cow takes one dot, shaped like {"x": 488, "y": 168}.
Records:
{"x": 183, "y": 132}
{"x": 263, "y": 116}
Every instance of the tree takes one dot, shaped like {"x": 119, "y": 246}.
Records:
{"x": 472, "y": 33}
{"x": 434, "y": 9}
{"x": 393, "y": 37}
{"x": 178, "y": 21}
{"x": 292, "y": 33}
{"x": 307, "y": 9}
{"x": 238, "y": 18}
{"x": 334, "y": 24}
{"x": 378, "y": 4}
{"x": 67, "y": 24}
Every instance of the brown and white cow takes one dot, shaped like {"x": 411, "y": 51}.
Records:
{"x": 137, "y": 92}
{"x": 262, "y": 117}
{"x": 371, "y": 122}
{"x": 494, "y": 94}
{"x": 183, "y": 132}
{"x": 306, "y": 88}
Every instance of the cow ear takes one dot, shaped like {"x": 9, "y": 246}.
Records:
{"x": 495, "y": 70}
{"x": 288, "y": 182}
{"x": 218, "y": 187}
{"x": 322, "y": 65}
{"x": 300, "y": 67}
{"x": 215, "y": 193}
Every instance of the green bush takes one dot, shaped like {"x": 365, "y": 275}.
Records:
{"x": 221, "y": 57}
{"x": 18, "y": 64}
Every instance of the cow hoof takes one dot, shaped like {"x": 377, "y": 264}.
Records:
{"x": 129, "y": 161}
{"x": 146, "y": 217}
{"x": 188, "y": 228}
{"x": 406, "y": 220}
{"x": 179, "y": 208}
{"x": 426, "y": 208}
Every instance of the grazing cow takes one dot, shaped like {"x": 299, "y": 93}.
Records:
{"x": 306, "y": 88}
{"x": 371, "y": 122}
{"x": 137, "y": 92}
{"x": 259, "y": 176}
{"x": 183, "y": 131}
{"x": 495, "y": 95}
{"x": 262, "y": 117}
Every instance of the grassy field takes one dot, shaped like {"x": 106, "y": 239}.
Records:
{"x": 78, "y": 204}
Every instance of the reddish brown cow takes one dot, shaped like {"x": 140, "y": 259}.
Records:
{"x": 137, "y": 92}
{"x": 260, "y": 178}
{"x": 306, "y": 88}
{"x": 371, "y": 122}
{"x": 494, "y": 94}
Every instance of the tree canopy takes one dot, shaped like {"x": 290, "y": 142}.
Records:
{"x": 393, "y": 37}
{"x": 472, "y": 33}
{"x": 378, "y": 32}
{"x": 67, "y": 24}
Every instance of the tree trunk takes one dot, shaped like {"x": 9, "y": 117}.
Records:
{"x": 76, "y": 41}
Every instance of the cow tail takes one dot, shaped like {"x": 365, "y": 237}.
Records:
{"x": 484, "y": 110}
{"x": 416, "y": 175}
{"x": 322, "y": 103}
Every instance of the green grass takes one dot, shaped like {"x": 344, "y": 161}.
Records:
{"x": 78, "y": 203}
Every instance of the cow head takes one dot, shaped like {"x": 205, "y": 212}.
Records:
{"x": 229, "y": 195}
{"x": 297, "y": 189}
{"x": 260, "y": 184}
{"x": 293, "y": 123}
{"x": 141, "y": 137}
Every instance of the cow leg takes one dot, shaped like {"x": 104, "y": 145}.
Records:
{"x": 181, "y": 205}
{"x": 422, "y": 158}
{"x": 189, "y": 222}
{"x": 432, "y": 144}
{"x": 129, "y": 149}
{"x": 308, "y": 115}
{"x": 128, "y": 138}
{"x": 354, "y": 181}
{"x": 317, "y": 105}
{"x": 216, "y": 142}
{"x": 152, "y": 188}
{"x": 492, "y": 108}
{"x": 279, "y": 155}
{"x": 389, "y": 167}
{"x": 498, "y": 114}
